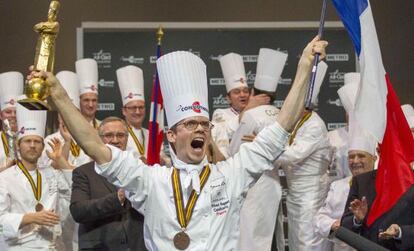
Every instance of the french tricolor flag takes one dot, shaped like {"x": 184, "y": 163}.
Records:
{"x": 377, "y": 109}
{"x": 156, "y": 120}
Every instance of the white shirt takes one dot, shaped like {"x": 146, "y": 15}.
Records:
{"x": 332, "y": 210}
{"x": 310, "y": 152}
{"x": 225, "y": 123}
{"x": 305, "y": 163}
{"x": 252, "y": 122}
{"x": 339, "y": 140}
{"x": 215, "y": 221}
{"x": 131, "y": 146}
{"x": 74, "y": 161}
{"x": 17, "y": 199}
{"x": 259, "y": 212}
{"x": 3, "y": 157}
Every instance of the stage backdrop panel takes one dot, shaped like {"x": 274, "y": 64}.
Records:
{"x": 116, "y": 47}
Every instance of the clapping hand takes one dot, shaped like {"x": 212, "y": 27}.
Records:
{"x": 58, "y": 161}
{"x": 391, "y": 232}
{"x": 359, "y": 208}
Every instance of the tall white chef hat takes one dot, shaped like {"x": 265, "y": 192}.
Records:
{"x": 233, "y": 71}
{"x": 359, "y": 139}
{"x": 30, "y": 122}
{"x": 183, "y": 80}
{"x": 87, "y": 71}
{"x": 11, "y": 86}
{"x": 408, "y": 111}
{"x": 270, "y": 65}
{"x": 320, "y": 75}
{"x": 348, "y": 92}
{"x": 131, "y": 83}
{"x": 69, "y": 81}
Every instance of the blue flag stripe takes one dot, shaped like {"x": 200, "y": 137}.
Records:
{"x": 349, "y": 11}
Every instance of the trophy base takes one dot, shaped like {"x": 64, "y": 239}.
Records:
{"x": 34, "y": 104}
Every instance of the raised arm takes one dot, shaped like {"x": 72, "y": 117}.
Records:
{"x": 295, "y": 101}
{"x": 85, "y": 135}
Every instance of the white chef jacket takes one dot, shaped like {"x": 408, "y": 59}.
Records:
{"x": 3, "y": 157}
{"x": 225, "y": 123}
{"x": 131, "y": 146}
{"x": 69, "y": 226}
{"x": 17, "y": 199}
{"x": 339, "y": 139}
{"x": 305, "y": 163}
{"x": 215, "y": 221}
{"x": 331, "y": 211}
{"x": 252, "y": 122}
{"x": 259, "y": 211}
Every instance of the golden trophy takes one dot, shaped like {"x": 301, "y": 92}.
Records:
{"x": 36, "y": 89}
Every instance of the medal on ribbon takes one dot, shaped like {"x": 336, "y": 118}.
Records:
{"x": 36, "y": 188}
{"x": 181, "y": 239}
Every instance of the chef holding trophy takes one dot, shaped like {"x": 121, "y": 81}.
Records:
{"x": 29, "y": 196}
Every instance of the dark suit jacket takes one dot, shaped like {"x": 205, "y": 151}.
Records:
{"x": 362, "y": 185}
{"x": 402, "y": 214}
{"x": 103, "y": 223}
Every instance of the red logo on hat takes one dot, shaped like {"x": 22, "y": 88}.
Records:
{"x": 130, "y": 95}
{"x": 11, "y": 102}
{"x": 93, "y": 88}
{"x": 22, "y": 130}
{"x": 196, "y": 107}
{"x": 242, "y": 80}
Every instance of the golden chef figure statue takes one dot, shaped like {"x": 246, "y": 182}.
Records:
{"x": 36, "y": 89}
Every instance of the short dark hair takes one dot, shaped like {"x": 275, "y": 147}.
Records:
{"x": 272, "y": 95}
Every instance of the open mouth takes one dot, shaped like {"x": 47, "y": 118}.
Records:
{"x": 197, "y": 143}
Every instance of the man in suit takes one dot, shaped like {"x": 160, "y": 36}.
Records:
{"x": 398, "y": 222}
{"x": 106, "y": 219}
{"x": 400, "y": 232}
{"x": 393, "y": 230}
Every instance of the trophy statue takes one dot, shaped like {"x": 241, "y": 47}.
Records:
{"x": 37, "y": 89}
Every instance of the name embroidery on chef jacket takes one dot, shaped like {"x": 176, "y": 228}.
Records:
{"x": 219, "y": 199}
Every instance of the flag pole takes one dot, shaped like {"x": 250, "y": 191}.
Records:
{"x": 153, "y": 152}
{"x": 160, "y": 35}
{"x": 308, "y": 103}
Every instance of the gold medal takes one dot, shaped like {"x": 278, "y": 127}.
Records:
{"x": 38, "y": 207}
{"x": 181, "y": 241}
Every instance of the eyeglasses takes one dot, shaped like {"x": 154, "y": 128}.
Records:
{"x": 134, "y": 108}
{"x": 193, "y": 124}
{"x": 110, "y": 135}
